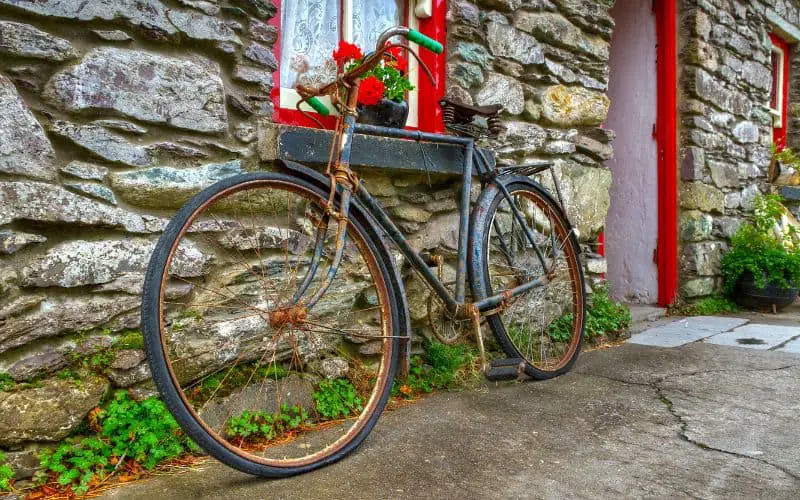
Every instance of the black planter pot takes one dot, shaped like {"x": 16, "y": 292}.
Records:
{"x": 748, "y": 295}
{"x": 386, "y": 113}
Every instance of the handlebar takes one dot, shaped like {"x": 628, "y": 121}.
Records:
{"x": 310, "y": 96}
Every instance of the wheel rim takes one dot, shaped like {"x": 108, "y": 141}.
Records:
{"x": 544, "y": 325}
{"x": 238, "y": 347}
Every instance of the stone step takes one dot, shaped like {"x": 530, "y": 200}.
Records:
{"x": 791, "y": 193}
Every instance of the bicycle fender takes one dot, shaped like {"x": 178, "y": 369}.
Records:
{"x": 477, "y": 223}
{"x": 310, "y": 175}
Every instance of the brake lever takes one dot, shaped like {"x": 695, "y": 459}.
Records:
{"x": 417, "y": 57}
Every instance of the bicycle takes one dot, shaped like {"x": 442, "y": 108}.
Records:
{"x": 276, "y": 351}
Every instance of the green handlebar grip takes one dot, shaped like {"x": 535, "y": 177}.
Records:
{"x": 427, "y": 42}
{"x": 318, "y": 106}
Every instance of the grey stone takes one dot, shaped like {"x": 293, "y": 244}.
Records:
{"x": 166, "y": 187}
{"x": 702, "y": 259}
{"x": 563, "y": 73}
{"x": 474, "y": 53}
{"x": 411, "y": 213}
{"x": 112, "y": 35}
{"x": 23, "y": 40}
{"x": 261, "y": 55}
{"x": 522, "y": 137}
{"x": 791, "y": 193}
{"x": 122, "y": 126}
{"x": 149, "y": 87}
{"x": 198, "y": 26}
{"x": 49, "y": 412}
{"x": 86, "y": 171}
{"x": 685, "y": 331}
{"x": 501, "y": 89}
{"x": 586, "y": 195}
{"x": 13, "y": 241}
{"x": 262, "y": 9}
{"x": 263, "y": 33}
{"x": 250, "y": 74}
{"x": 559, "y": 147}
{"x": 464, "y": 12}
{"x": 733, "y": 200}
{"x": 334, "y": 368}
{"x": 693, "y": 164}
{"x": 574, "y": 106}
{"x": 93, "y": 345}
{"x": 206, "y": 7}
{"x": 95, "y": 191}
{"x": 757, "y": 75}
{"x": 102, "y": 143}
{"x": 699, "y": 196}
{"x": 80, "y": 263}
{"x": 25, "y": 465}
{"x": 466, "y": 75}
{"x": 696, "y": 225}
{"x": 42, "y": 202}
{"x": 726, "y": 227}
{"x": 745, "y": 132}
{"x": 57, "y": 316}
{"x": 557, "y": 30}
{"x": 724, "y": 174}
{"x": 20, "y": 305}
{"x": 147, "y": 15}
{"x": 593, "y": 148}
{"x": 505, "y": 41}
{"x": 170, "y": 150}
{"x": 765, "y": 336}
{"x": 699, "y": 287}
{"x": 47, "y": 362}
{"x": 24, "y": 148}
{"x": 749, "y": 195}
{"x": 127, "y": 378}
{"x": 596, "y": 266}
{"x": 710, "y": 89}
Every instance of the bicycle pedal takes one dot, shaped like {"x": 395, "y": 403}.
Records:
{"x": 506, "y": 369}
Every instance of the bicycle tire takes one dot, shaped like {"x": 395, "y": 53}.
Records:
{"x": 484, "y": 229}
{"x": 159, "y": 357}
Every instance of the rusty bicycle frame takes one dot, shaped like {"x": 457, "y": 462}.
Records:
{"x": 345, "y": 184}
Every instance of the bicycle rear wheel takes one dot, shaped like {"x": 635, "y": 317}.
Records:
{"x": 257, "y": 378}
{"x": 545, "y": 325}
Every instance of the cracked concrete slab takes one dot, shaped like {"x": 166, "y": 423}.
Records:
{"x": 698, "y": 421}
{"x": 756, "y": 336}
{"x": 793, "y": 346}
{"x": 684, "y": 331}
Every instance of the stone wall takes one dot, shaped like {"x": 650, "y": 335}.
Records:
{"x": 726, "y": 129}
{"x": 546, "y": 62}
{"x": 114, "y": 112}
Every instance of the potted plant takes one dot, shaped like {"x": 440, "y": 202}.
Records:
{"x": 382, "y": 95}
{"x": 762, "y": 268}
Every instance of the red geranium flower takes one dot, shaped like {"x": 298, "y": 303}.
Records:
{"x": 346, "y": 52}
{"x": 399, "y": 61}
{"x": 371, "y": 91}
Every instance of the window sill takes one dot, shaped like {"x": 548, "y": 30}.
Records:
{"x": 312, "y": 147}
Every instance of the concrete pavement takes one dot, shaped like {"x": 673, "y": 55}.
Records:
{"x": 695, "y": 421}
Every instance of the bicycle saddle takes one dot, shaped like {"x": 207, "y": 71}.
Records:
{"x": 474, "y": 121}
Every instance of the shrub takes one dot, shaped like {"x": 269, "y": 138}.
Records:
{"x": 442, "y": 367}
{"x": 6, "y": 474}
{"x": 709, "y": 306}
{"x": 763, "y": 249}
{"x": 259, "y": 424}
{"x": 604, "y": 316}
{"x": 6, "y": 382}
{"x": 336, "y": 398}
{"x": 143, "y": 432}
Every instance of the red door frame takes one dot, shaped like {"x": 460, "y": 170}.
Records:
{"x": 667, "y": 139}
{"x": 779, "y": 137}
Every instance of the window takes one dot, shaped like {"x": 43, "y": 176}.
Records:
{"x": 778, "y": 106}
{"x": 311, "y": 30}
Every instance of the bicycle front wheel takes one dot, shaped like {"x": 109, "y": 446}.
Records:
{"x": 545, "y": 325}
{"x": 254, "y": 371}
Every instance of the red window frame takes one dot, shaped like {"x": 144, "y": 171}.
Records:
{"x": 430, "y": 115}
{"x": 780, "y": 132}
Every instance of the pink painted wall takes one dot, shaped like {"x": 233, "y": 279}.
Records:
{"x": 632, "y": 223}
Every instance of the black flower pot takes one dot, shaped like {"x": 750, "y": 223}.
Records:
{"x": 748, "y": 295}
{"x": 386, "y": 113}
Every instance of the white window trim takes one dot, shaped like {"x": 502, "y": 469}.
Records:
{"x": 289, "y": 97}
{"x": 777, "y": 114}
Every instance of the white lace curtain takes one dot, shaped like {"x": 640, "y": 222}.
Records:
{"x": 310, "y": 30}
